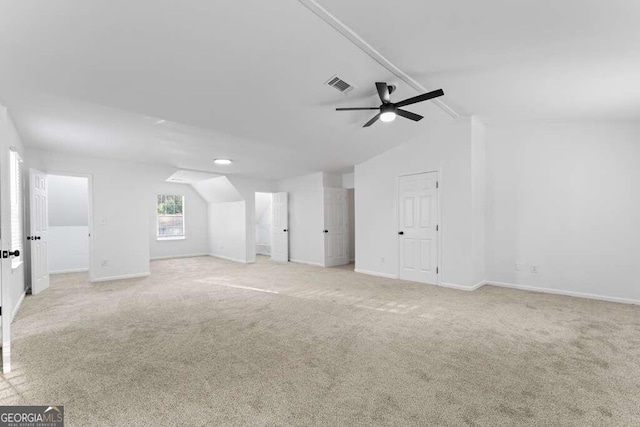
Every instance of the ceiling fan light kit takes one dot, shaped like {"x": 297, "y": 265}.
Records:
{"x": 389, "y": 110}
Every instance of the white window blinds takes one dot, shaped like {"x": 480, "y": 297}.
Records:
{"x": 16, "y": 206}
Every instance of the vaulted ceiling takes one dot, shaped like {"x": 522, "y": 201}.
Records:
{"x": 180, "y": 83}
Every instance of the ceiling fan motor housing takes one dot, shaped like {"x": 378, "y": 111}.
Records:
{"x": 387, "y": 108}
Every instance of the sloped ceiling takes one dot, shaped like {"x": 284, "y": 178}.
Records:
{"x": 180, "y": 83}
{"x": 218, "y": 190}
{"x": 244, "y": 81}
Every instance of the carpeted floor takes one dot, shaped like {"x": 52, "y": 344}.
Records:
{"x": 209, "y": 342}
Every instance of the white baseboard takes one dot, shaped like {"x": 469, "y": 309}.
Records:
{"x": 122, "y": 277}
{"x": 375, "y": 273}
{"x": 462, "y": 287}
{"x": 297, "y": 261}
{"x": 73, "y": 270}
{"x": 563, "y": 292}
{"x": 15, "y": 309}
{"x": 241, "y": 261}
{"x": 157, "y": 258}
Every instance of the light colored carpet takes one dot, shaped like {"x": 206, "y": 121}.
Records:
{"x": 209, "y": 342}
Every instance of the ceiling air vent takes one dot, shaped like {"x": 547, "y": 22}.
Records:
{"x": 340, "y": 85}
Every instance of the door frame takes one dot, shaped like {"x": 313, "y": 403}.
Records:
{"x": 439, "y": 239}
{"x": 89, "y": 212}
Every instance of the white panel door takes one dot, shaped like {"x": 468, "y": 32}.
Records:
{"x": 335, "y": 227}
{"x": 38, "y": 235}
{"x": 418, "y": 225}
{"x": 280, "y": 228}
{"x": 5, "y": 243}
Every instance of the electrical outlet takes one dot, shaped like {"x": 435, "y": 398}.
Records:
{"x": 534, "y": 269}
{"x": 382, "y": 259}
{"x": 105, "y": 263}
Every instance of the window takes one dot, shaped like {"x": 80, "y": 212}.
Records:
{"x": 170, "y": 217}
{"x": 15, "y": 170}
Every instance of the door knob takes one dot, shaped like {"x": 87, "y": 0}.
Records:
{"x": 285, "y": 230}
{"x": 325, "y": 231}
{"x": 29, "y": 238}
{"x": 37, "y": 238}
{"x": 15, "y": 253}
{"x": 401, "y": 233}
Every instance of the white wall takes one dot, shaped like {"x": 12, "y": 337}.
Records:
{"x": 68, "y": 200}
{"x": 306, "y": 239}
{"x": 348, "y": 180}
{"x": 351, "y": 218}
{"x": 196, "y": 240}
{"x": 68, "y": 210}
{"x": 228, "y": 230}
{"x": 564, "y": 197}
{"x": 15, "y": 277}
{"x": 68, "y": 249}
{"x": 123, "y": 194}
{"x": 478, "y": 201}
{"x": 443, "y": 148}
{"x": 263, "y": 223}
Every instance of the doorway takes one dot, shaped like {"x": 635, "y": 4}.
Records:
{"x": 263, "y": 224}
{"x": 272, "y": 226}
{"x": 418, "y": 227}
{"x": 68, "y": 224}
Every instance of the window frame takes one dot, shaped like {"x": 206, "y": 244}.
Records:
{"x": 160, "y": 238}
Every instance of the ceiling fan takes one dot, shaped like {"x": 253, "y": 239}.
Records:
{"x": 389, "y": 110}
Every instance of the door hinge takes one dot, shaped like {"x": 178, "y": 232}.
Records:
{"x": 437, "y": 227}
{"x": 436, "y": 270}
{"x": 437, "y": 184}
{"x": 0, "y": 311}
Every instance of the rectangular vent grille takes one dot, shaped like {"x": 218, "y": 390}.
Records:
{"x": 340, "y": 85}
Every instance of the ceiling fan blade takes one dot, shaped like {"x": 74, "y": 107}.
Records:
{"x": 383, "y": 91}
{"x": 372, "y": 121}
{"x": 409, "y": 115}
{"x": 356, "y": 108}
{"x": 420, "y": 98}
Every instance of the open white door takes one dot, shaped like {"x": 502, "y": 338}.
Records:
{"x": 280, "y": 228}
{"x": 335, "y": 227}
{"x": 5, "y": 270}
{"x": 418, "y": 226}
{"x": 38, "y": 231}
{"x": 5, "y": 266}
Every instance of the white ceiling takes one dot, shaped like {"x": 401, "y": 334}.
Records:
{"x": 190, "y": 177}
{"x": 558, "y": 60}
{"x": 245, "y": 81}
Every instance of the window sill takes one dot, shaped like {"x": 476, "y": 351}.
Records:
{"x": 168, "y": 239}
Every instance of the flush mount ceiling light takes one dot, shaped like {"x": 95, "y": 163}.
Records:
{"x": 222, "y": 161}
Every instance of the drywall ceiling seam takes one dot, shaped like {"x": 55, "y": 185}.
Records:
{"x": 352, "y": 36}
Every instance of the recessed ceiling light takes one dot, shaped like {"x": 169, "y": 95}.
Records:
{"x": 222, "y": 161}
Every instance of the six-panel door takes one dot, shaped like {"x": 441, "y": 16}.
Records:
{"x": 417, "y": 231}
